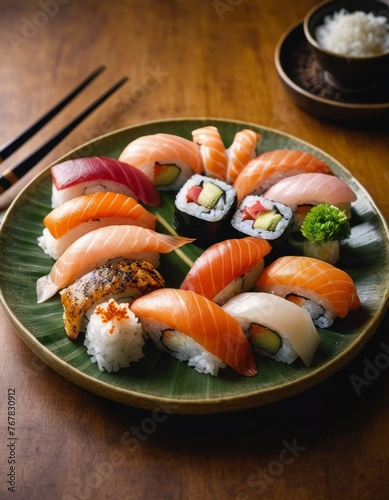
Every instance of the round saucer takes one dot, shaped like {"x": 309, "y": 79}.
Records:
{"x": 309, "y": 87}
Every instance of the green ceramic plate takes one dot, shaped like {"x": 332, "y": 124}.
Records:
{"x": 159, "y": 382}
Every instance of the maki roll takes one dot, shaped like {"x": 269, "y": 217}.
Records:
{"x": 263, "y": 218}
{"x": 203, "y": 210}
{"x": 275, "y": 327}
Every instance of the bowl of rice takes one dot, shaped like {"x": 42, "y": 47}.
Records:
{"x": 350, "y": 40}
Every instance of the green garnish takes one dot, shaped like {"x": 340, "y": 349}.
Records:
{"x": 326, "y": 223}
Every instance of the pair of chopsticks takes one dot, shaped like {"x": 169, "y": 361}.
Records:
{"x": 12, "y": 175}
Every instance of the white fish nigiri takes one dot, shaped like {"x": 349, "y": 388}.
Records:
{"x": 98, "y": 247}
{"x": 270, "y": 316}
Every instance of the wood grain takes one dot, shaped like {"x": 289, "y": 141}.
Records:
{"x": 206, "y": 58}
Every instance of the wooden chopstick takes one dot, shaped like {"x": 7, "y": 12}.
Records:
{"x": 12, "y": 175}
{"x": 7, "y": 149}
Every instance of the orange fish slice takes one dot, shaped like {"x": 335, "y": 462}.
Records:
{"x": 202, "y": 320}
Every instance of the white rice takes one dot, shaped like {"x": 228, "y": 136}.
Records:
{"x": 356, "y": 34}
{"x": 182, "y": 347}
{"x": 320, "y": 316}
{"x": 241, "y": 284}
{"x": 114, "y": 341}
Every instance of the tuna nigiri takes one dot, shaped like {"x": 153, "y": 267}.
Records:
{"x": 275, "y": 327}
{"x": 97, "y": 173}
{"x": 227, "y": 268}
{"x": 168, "y": 160}
{"x": 173, "y": 318}
{"x": 76, "y": 217}
{"x": 323, "y": 289}
{"x": 212, "y": 150}
{"x": 241, "y": 151}
{"x": 98, "y": 247}
{"x": 312, "y": 189}
{"x": 269, "y": 167}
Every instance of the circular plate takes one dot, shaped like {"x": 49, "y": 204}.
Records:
{"x": 158, "y": 380}
{"x": 307, "y": 85}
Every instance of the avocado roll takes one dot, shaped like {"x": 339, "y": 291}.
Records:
{"x": 263, "y": 218}
{"x": 203, "y": 209}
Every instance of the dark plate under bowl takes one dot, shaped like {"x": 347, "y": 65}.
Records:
{"x": 307, "y": 85}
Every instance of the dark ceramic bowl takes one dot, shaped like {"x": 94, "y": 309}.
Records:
{"x": 355, "y": 74}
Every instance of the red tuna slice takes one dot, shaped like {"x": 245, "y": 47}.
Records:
{"x": 99, "y": 168}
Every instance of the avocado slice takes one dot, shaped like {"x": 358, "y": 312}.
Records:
{"x": 264, "y": 338}
{"x": 267, "y": 220}
{"x": 165, "y": 174}
{"x": 210, "y": 194}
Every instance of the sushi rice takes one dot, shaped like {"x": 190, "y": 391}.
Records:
{"x": 241, "y": 284}
{"x": 182, "y": 347}
{"x": 114, "y": 336}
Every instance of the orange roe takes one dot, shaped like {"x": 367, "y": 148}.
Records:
{"x": 113, "y": 311}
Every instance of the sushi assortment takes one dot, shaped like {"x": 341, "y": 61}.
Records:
{"x": 243, "y": 298}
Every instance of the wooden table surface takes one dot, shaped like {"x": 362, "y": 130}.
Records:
{"x": 184, "y": 59}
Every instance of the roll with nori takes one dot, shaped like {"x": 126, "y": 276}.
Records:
{"x": 263, "y": 218}
{"x": 203, "y": 210}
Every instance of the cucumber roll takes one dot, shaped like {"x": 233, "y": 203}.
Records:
{"x": 263, "y": 218}
{"x": 203, "y": 210}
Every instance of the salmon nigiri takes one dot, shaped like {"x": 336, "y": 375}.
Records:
{"x": 168, "y": 160}
{"x": 97, "y": 173}
{"x": 191, "y": 327}
{"x": 323, "y": 289}
{"x": 312, "y": 189}
{"x": 227, "y": 268}
{"x": 241, "y": 151}
{"x": 76, "y": 217}
{"x": 101, "y": 245}
{"x": 212, "y": 150}
{"x": 269, "y": 167}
